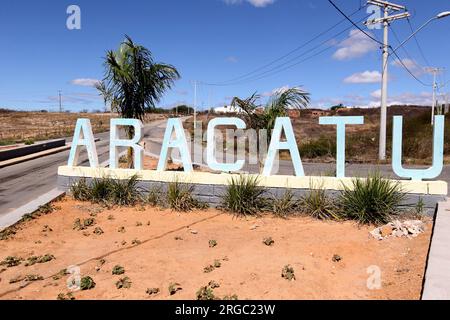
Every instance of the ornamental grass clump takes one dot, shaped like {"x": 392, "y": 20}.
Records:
{"x": 317, "y": 204}
{"x": 244, "y": 196}
{"x": 180, "y": 197}
{"x": 372, "y": 201}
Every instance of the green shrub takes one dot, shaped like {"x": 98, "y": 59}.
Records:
{"x": 318, "y": 205}
{"x": 29, "y": 142}
{"x": 124, "y": 192}
{"x": 324, "y": 146}
{"x": 283, "y": 206}
{"x": 100, "y": 190}
{"x": 80, "y": 190}
{"x": 244, "y": 196}
{"x": 180, "y": 198}
{"x": 87, "y": 283}
{"x": 372, "y": 200}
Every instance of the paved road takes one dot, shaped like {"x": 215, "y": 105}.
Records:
{"x": 23, "y": 182}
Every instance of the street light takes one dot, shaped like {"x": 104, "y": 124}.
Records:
{"x": 439, "y": 16}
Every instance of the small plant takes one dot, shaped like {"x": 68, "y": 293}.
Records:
{"x": 39, "y": 259}
{"x": 33, "y": 277}
{"x": 243, "y": 196}
{"x": 152, "y": 291}
{"x": 11, "y": 261}
{"x": 153, "y": 197}
{"x": 318, "y": 205}
{"x": 29, "y": 142}
{"x": 336, "y": 258}
{"x": 87, "y": 283}
{"x": 268, "y": 241}
{"x": 63, "y": 296}
{"x": 60, "y": 274}
{"x": 174, "y": 288}
{"x": 138, "y": 224}
{"x": 288, "y": 273}
{"x": 7, "y": 234}
{"x": 124, "y": 192}
{"x": 123, "y": 283}
{"x": 205, "y": 293}
{"x": 118, "y": 270}
{"x": 111, "y": 217}
{"x": 217, "y": 264}
{"x": 419, "y": 208}
{"x": 213, "y": 285}
{"x": 372, "y": 200}
{"x": 136, "y": 242}
{"x": 83, "y": 225}
{"x": 282, "y": 207}
{"x": 121, "y": 229}
{"x": 208, "y": 269}
{"x": 80, "y": 190}
{"x": 180, "y": 198}
{"x": 212, "y": 243}
{"x": 98, "y": 231}
{"x": 231, "y": 297}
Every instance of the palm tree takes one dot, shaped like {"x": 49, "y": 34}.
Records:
{"x": 134, "y": 83}
{"x": 277, "y": 106}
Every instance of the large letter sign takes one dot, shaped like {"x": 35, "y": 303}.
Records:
{"x": 83, "y": 127}
{"x": 290, "y": 144}
{"x": 210, "y": 148}
{"x": 179, "y": 143}
{"x": 438, "y": 151}
{"x": 340, "y": 122}
{"x": 116, "y": 142}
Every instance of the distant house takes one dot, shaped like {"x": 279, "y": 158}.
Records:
{"x": 227, "y": 109}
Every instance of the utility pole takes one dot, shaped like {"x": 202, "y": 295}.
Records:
{"x": 385, "y": 21}
{"x": 195, "y": 104}
{"x": 60, "y": 101}
{"x": 434, "y": 72}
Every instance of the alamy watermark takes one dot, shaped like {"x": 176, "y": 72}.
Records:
{"x": 73, "y": 21}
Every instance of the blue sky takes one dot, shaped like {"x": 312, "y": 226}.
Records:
{"x": 213, "y": 41}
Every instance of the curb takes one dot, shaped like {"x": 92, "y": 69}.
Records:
{"x": 14, "y": 216}
{"x": 33, "y": 156}
{"x": 437, "y": 278}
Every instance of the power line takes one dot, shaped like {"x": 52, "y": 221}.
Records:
{"x": 407, "y": 69}
{"x": 276, "y": 69}
{"x": 418, "y": 44}
{"x": 404, "y": 49}
{"x": 287, "y": 54}
{"x": 354, "y": 24}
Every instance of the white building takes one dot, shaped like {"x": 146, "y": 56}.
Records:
{"x": 227, "y": 109}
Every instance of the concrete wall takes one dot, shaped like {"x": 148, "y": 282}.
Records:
{"x": 27, "y": 150}
{"x": 212, "y": 189}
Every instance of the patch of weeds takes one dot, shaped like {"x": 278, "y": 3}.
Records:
{"x": 60, "y": 274}
{"x": 336, "y": 258}
{"x": 124, "y": 243}
{"x": 317, "y": 204}
{"x": 212, "y": 243}
{"x": 153, "y": 197}
{"x": 47, "y": 229}
{"x": 80, "y": 190}
{"x": 244, "y": 196}
{"x": 213, "y": 284}
{"x": 231, "y": 297}
{"x": 208, "y": 269}
{"x": 63, "y": 296}
{"x": 205, "y": 293}
{"x": 217, "y": 264}
{"x": 98, "y": 231}
{"x": 136, "y": 242}
{"x": 123, "y": 283}
{"x": 83, "y": 225}
{"x": 284, "y": 206}
{"x": 174, "y": 288}
{"x": 33, "y": 277}
{"x": 87, "y": 283}
{"x": 11, "y": 261}
{"x": 7, "y": 234}
{"x": 138, "y": 224}
{"x": 125, "y": 192}
{"x": 111, "y": 217}
{"x": 39, "y": 259}
{"x": 268, "y": 241}
{"x": 373, "y": 200}
{"x": 121, "y": 229}
{"x": 117, "y": 270}
{"x": 152, "y": 291}
{"x": 288, "y": 273}
{"x": 180, "y": 198}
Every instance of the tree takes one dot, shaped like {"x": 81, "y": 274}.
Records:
{"x": 134, "y": 83}
{"x": 259, "y": 117}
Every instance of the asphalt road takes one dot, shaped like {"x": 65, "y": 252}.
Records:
{"x": 23, "y": 182}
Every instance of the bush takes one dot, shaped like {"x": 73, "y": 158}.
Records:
{"x": 372, "y": 200}
{"x": 107, "y": 191}
{"x": 283, "y": 206}
{"x": 179, "y": 197}
{"x": 324, "y": 146}
{"x": 318, "y": 205}
{"x": 243, "y": 196}
{"x": 29, "y": 142}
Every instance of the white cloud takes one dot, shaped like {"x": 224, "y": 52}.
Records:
{"x": 357, "y": 45}
{"x": 85, "y": 82}
{"x": 412, "y": 65}
{"x": 255, "y": 3}
{"x": 231, "y": 59}
{"x": 376, "y": 94}
{"x": 364, "y": 77}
